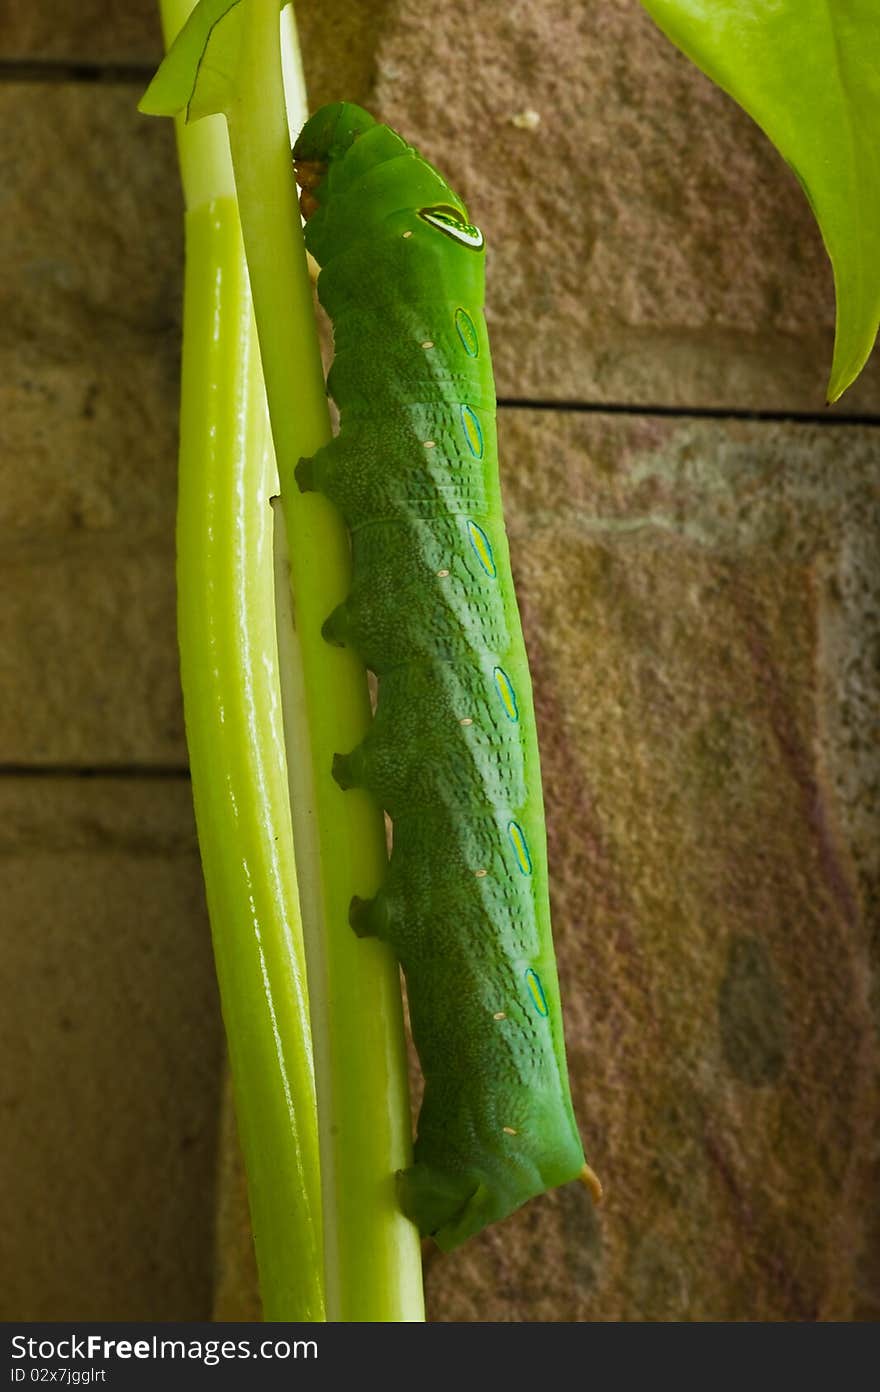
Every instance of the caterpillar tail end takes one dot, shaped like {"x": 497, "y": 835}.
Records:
{"x": 590, "y": 1180}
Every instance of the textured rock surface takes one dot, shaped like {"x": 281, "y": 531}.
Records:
{"x": 236, "y": 1293}
{"x": 91, "y": 31}
{"x": 89, "y": 337}
{"x": 111, "y": 1045}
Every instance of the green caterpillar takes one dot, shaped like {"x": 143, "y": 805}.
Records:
{"x": 452, "y": 754}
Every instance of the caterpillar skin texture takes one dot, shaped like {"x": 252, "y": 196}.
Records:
{"x": 452, "y": 755}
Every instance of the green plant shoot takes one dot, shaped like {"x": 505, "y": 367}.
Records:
{"x": 227, "y": 60}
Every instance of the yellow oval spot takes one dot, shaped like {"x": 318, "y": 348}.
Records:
{"x": 507, "y": 694}
{"x": 428, "y": 343}
{"x": 466, "y": 720}
{"x": 407, "y": 234}
{"x": 472, "y": 432}
{"x": 430, "y": 444}
{"x": 499, "y": 1015}
{"x": 442, "y": 574}
{"x": 481, "y": 874}
{"x": 482, "y": 549}
{"x": 467, "y": 332}
{"x": 509, "y": 1131}
{"x": 536, "y": 991}
{"x": 520, "y": 847}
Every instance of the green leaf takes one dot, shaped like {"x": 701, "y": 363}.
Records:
{"x": 807, "y": 71}
{"x": 197, "y": 74}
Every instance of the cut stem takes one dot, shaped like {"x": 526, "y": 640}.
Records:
{"x": 372, "y": 1260}
{"x": 372, "y": 1255}
{"x": 229, "y": 671}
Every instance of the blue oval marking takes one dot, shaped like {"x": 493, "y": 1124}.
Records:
{"x": 482, "y": 549}
{"x": 467, "y": 332}
{"x": 507, "y": 694}
{"x": 520, "y": 847}
{"x": 536, "y": 992}
{"x": 472, "y": 431}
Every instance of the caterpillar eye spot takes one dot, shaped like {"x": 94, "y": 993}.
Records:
{"x": 499, "y": 1015}
{"x": 452, "y": 223}
{"x": 430, "y": 444}
{"x": 428, "y": 343}
{"x": 442, "y": 574}
{"x": 509, "y": 1131}
{"x": 481, "y": 874}
{"x": 466, "y": 720}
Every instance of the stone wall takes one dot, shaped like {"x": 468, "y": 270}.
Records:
{"x": 695, "y": 543}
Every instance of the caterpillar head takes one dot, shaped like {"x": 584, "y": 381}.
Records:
{"x": 357, "y": 174}
{"x": 325, "y": 137}
{"x": 328, "y": 134}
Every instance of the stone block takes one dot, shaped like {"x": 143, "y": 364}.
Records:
{"x": 112, "y": 1049}
{"x": 89, "y": 352}
{"x": 92, "y": 31}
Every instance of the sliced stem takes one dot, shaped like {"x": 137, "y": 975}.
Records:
{"x": 372, "y": 1262}
{"x": 229, "y": 670}
{"x": 372, "y": 1257}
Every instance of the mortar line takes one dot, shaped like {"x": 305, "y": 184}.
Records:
{"x": 50, "y": 70}
{"x": 154, "y": 772}
{"x": 625, "y": 408}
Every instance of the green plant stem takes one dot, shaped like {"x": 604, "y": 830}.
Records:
{"x": 229, "y": 673}
{"x": 372, "y": 1258}
{"x": 229, "y": 61}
